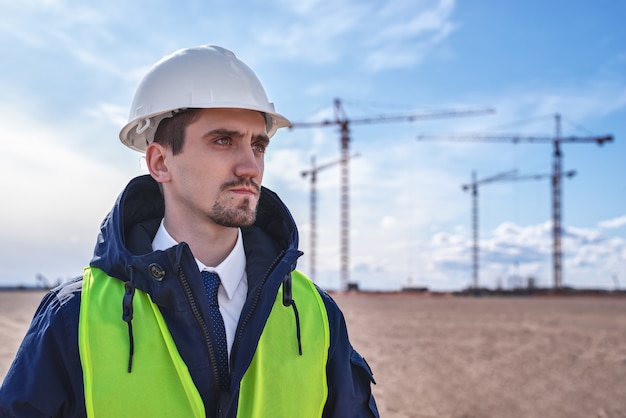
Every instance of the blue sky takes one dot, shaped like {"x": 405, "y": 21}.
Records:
{"x": 69, "y": 70}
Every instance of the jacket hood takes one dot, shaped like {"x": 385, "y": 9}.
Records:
{"x": 124, "y": 245}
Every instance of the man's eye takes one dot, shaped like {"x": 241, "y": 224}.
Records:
{"x": 259, "y": 147}
{"x": 223, "y": 141}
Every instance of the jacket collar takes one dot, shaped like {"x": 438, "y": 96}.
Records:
{"x": 124, "y": 246}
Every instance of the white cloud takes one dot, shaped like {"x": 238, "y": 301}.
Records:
{"x": 320, "y": 32}
{"x": 411, "y": 37}
{"x": 109, "y": 113}
{"x": 312, "y": 37}
{"x": 521, "y": 251}
{"x": 613, "y": 223}
{"x": 60, "y": 17}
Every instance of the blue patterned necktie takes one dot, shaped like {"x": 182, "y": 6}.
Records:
{"x": 211, "y": 285}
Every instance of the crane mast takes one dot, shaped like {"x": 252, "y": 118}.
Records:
{"x": 474, "y": 231}
{"x": 344, "y": 275}
{"x": 313, "y": 207}
{"x": 474, "y": 188}
{"x": 557, "y": 252}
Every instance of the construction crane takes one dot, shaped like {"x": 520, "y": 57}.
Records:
{"x": 473, "y": 186}
{"x": 313, "y": 202}
{"x": 340, "y": 119}
{"x": 556, "y": 140}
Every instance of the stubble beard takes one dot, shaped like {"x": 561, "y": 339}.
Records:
{"x": 244, "y": 214}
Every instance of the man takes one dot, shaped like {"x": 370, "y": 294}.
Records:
{"x": 191, "y": 305}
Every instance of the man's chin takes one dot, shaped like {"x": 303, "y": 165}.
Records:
{"x": 241, "y": 216}
{"x": 236, "y": 222}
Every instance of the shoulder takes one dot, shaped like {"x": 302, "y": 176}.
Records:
{"x": 335, "y": 315}
{"x": 56, "y": 318}
{"x": 54, "y": 327}
{"x": 63, "y": 301}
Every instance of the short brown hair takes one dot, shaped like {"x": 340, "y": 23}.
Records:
{"x": 171, "y": 131}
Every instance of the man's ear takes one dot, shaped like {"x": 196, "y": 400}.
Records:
{"x": 156, "y": 161}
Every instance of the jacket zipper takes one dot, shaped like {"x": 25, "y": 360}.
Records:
{"x": 202, "y": 324}
{"x": 255, "y": 302}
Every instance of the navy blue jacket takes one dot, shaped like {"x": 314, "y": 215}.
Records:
{"x": 45, "y": 379}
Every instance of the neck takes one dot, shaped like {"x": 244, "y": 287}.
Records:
{"x": 210, "y": 243}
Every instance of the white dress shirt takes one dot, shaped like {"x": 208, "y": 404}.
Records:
{"x": 234, "y": 282}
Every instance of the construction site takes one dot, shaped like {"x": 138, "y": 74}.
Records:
{"x": 516, "y": 284}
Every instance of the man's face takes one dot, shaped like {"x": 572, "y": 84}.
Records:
{"x": 217, "y": 176}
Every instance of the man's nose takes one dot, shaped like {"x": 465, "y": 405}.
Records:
{"x": 248, "y": 164}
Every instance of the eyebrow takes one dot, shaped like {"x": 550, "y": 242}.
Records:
{"x": 232, "y": 133}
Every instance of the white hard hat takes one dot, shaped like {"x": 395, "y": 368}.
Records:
{"x": 200, "y": 77}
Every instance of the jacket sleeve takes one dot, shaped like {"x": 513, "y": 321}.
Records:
{"x": 349, "y": 375}
{"x": 45, "y": 379}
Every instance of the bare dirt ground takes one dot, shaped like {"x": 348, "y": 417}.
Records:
{"x": 492, "y": 357}
{"x": 463, "y": 357}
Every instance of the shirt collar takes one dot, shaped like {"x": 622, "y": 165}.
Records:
{"x": 231, "y": 270}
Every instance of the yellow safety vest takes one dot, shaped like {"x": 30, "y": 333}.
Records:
{"x": 278, "y": 383}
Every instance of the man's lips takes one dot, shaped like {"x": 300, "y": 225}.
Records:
{"x": 243, "y": 188}
{"x": 245, "y": 191}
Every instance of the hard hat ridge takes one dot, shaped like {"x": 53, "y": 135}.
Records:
{"x": 200, "y": 77}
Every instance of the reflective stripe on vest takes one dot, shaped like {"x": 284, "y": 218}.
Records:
{"x": 278, "y": 383}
